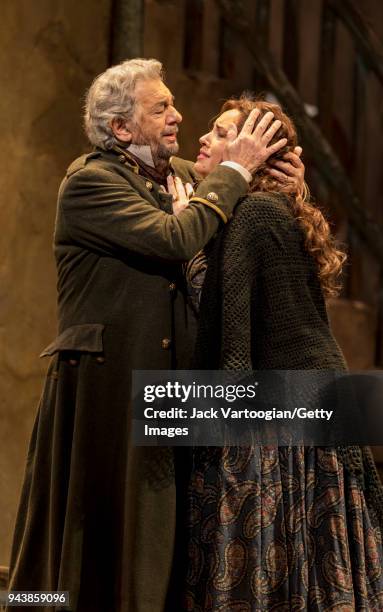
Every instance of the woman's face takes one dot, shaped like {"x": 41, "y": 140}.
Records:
{"x": 213, "y": 143}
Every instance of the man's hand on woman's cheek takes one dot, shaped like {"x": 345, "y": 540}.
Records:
{"x": 291, "y": 172}
{"x": 251, "y": 147}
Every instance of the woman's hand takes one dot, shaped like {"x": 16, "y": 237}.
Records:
{"x": 250, "y": 147}
{"x": 181, "y": 194}
{"x": 290, "y": 173}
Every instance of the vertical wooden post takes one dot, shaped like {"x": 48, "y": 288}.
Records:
{"x": 379, "y": 331}
{"x": 325, "y": 100}
{"x": 365, "y": 281}
{"x": 291, "y": 41}
{"x": 356, "y": 281}
{"x": 358, "y": 153}
{"x": 262, "y": 32}
{"x": 325, "y": 92}
{"x": 127, "y": 28}
{"x": 227, "y": 50}
{"x": 210, "y": 38}
{"x": 193, "y": 29}
{"x": 262, "y": 17}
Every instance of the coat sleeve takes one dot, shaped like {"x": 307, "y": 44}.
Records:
{"x": 102, "y": 211}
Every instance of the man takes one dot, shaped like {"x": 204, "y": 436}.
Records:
{"x": 97, "y": 516}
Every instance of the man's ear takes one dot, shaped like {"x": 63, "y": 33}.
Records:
{"x": 120, "y": 129}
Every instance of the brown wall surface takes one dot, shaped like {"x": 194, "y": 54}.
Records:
{"x": 51, "y": 50}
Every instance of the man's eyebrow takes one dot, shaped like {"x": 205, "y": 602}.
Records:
{"x": 220, "y": 126}
{"x": 164, "y": 102}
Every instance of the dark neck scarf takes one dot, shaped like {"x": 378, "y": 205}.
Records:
{"x": 145, "y": 170}
{"x": 151, "y": 173}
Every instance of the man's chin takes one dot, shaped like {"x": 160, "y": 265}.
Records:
{"x": 173, "y": 148}
{"x": 166, "y": 151}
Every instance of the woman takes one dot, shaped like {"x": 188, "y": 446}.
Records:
{"x": 288, "y": 528}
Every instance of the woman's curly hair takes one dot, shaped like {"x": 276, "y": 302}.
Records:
{"x": 319, "y": 241}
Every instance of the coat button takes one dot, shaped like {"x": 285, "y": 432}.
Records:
{"x": 122, "y": 159}
{"x": 100, "y": 359}
{"x": 172, "y": 287}
{"x": 166, "y": 343}
{"x": 149, "y": 185}
{"x": 212, "y": 197}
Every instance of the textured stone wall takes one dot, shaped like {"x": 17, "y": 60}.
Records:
{"x": 51, "y": 50}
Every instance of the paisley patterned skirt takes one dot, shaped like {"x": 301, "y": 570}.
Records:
{"x": 281, "y": 529}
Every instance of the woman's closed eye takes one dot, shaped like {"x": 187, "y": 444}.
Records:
{"x": 221, "y": 133}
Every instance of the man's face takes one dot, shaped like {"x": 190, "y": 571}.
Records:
{"x": 156, "y": 120}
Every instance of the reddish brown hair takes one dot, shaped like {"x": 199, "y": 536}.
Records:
{"x": 319, "y": 241}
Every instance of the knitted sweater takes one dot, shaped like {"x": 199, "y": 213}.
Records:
{"x": 262, "y": 307}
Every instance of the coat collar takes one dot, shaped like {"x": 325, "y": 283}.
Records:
{"x": 139, "y": 166}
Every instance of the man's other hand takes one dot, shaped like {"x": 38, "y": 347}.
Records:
{"x": 291, "y": 172}
{"x": 181, "y": 193}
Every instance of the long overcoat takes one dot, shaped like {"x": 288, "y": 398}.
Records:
{"x": 97, "y": 514}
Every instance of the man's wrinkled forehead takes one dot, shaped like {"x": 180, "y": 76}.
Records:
{"x": 150, "y": 92}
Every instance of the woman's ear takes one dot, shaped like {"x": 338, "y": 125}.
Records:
{"x": 120, "y": 129}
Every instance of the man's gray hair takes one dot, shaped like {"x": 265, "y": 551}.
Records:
{"x": 111, "y": 95}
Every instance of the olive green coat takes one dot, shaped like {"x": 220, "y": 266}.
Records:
{"x": 97, "y": 515}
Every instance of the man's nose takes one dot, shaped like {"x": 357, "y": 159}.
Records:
{"x": 204, "y": 140}
{"x": 174, "y": 116}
